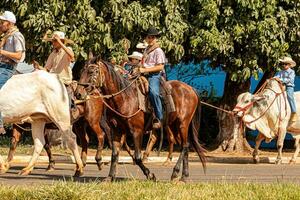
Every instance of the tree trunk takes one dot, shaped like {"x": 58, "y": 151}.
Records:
{"x": 229, "y": 137}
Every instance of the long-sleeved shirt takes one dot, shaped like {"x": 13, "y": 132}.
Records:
{"x": 287, "y": 77}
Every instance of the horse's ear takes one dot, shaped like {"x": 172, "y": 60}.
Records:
{"x": 90, "y": 54}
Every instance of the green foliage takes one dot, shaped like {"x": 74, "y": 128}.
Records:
{"x": 105, "y": 27}
{"x": 246, "y": 36}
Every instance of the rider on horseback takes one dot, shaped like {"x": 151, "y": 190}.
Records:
{"x": 59, "y": 61}
{"x": 12, "y": 50}
{"x": 287, "y": 77}
{"x": 152, "y": 65}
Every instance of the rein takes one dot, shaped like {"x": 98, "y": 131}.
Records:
{"x": 87, "y": 97}
{"x": 260, "y": 90}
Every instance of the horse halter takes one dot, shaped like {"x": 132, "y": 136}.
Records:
{"x": 95, "y": 77}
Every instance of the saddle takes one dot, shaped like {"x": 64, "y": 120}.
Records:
{"x": 165, "y": 92}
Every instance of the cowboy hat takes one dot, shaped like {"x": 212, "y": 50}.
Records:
{"x": 152, "y": 31}
{"x": 136, "y": 55}
{"x": 288, "y": 60}
{"x": 141, "y": 45}
{"x": 60, "y": 34}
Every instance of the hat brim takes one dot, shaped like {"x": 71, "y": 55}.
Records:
{"x": 135, "y": 57}
{"x": 292, "y": 63}
{"x": 4, "y": 19}
{"x": 66, "y": 40}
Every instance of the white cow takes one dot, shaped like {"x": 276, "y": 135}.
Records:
{"x": 38, "y": 98}
{"x": 269, "y": 113}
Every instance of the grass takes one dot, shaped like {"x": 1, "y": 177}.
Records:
{"x": 149, "y": 190}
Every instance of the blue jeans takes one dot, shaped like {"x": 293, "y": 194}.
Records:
{"x": 154, "y": 94}
{"x": 291, "y": 99}
{"x": 6, "y": 72}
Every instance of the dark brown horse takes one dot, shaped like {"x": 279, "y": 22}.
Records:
{"x": 121, "y": 97}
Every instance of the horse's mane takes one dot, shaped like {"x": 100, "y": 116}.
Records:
{"x": 120, "y": 81}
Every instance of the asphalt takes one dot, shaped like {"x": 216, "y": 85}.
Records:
{"x": 229, "y": 159}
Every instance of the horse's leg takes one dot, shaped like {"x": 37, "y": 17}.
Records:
{"x": 116, "y": 145}
{"x": 39, "y": 142}
{"x": 127, "y": 148}
{"x": 171, "y": 141}
{"x": 49, "y": 154}
{"x": 297, "y": 146}
{"x": 80, "y": 130}
{"x": 184, "y": 127}
{"x": 280, "y": 140}
{"x": 177, "y": 167}
{"x": 100, "y": 136}
{"x": 107, "y": 130}
{"x": 152, "y": 140}
{"x": 137, "y": 137}
{"x": 260, "y": 137}
{"x": 16, "y": 136}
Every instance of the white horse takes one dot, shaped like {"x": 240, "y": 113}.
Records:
{"x": 38, "y": 98}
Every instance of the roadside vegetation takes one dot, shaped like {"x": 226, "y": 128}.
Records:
{"x": 150, "y": 190}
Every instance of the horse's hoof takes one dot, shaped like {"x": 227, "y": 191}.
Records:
{"x": 50, "y": 169}
{"x": 84, "y": 164}
{"x": 108, "y": 179}
{"x": 4, "y": 168}
{"x": 256, "y": 160}
{"x": 183, "y": 180}
{"x": 24, "y": 172}
{"x": 292, "y": 161}
{"x": 278, "y": 161}
{"x": 145, "y": 159}
{"x": 167, "y": 162}
{"x": 78, "y": 172}
{"x": 152, "y": 177}
{"x": 100, "y": 165}
{"x": 174, "y": 177}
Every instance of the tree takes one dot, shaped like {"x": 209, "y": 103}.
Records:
{"x": 244, "y": 37}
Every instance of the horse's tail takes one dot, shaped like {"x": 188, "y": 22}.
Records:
{"x": 193, "y": 134}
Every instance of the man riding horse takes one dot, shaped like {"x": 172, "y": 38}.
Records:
{"x": 60, "y": 59}
{"x": 152, "y": 65}
{"x": 12, "y": 50}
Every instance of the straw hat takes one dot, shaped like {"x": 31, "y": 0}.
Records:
{"x": 61, "y": 35}
{"x": 136, "y": 55}
{"x": 288, "y": 60}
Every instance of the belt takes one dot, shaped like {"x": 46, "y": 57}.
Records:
{"x": 6, "y": 65}
{"x": 152, "y": 74}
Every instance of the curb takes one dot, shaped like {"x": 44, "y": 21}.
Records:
{"x": 154, "y": 159}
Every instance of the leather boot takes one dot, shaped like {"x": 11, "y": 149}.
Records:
{"x": 293, "y": 118}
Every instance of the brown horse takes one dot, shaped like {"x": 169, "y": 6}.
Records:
{"x": 121, "y": 98}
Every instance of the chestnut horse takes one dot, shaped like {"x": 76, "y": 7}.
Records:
{"x": 121, "y": 97}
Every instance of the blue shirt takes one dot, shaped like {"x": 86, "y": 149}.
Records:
{"x": 287, "y": 77}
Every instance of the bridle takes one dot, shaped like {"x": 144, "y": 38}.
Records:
{"x": 258, "y": 93}
{"x": 97, "y": 80}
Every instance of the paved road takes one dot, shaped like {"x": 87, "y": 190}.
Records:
{"x": 265, "y": 173}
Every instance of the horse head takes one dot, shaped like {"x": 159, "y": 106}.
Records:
{"x": 91, "y": 78}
